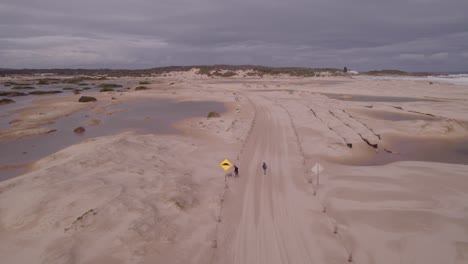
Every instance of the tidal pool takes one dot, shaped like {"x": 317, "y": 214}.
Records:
{"x": 454, "y": 151}
{"x": 144, "y": 116}
{"x": 374, "y": 98}
{"x": 394, "y": 116}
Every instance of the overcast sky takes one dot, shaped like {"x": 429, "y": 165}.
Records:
{"x": 413, "y": 35}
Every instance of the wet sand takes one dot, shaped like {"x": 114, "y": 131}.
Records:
{"x": 136, "y": 197}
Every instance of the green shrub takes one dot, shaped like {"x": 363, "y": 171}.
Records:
{"x": 144, "y": 83}
{"x": 213, "y": 114}
{"x": 85, "y": 99}
{"x": 107, "y": 89}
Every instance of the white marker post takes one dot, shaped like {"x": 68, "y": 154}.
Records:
{"x": 317, "y": 169}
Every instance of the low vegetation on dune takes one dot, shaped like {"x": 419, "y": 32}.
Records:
{"x": 140, "y": 88}
{"x": 109, "y": 85}
{"x": 6, "y": 101}
{"x": 11, "y": 83}
{"x": 44, "y": 92}
{"x": 213, "y": 71}
{"x": 46, "y": 81}
{"x": 106, "y": 89}
{"x": 82, "y": 75}
{"x": 85, "y": 99}
{"x": 144, "y": 83}
{"x": 12, "y": 94}
{"x": 23, "y": 88}
{"x": 387, "y": 72}
{"x": 260, "y": 71}
{"x": 213, "y": 114}
{"x": 68, "y": 88}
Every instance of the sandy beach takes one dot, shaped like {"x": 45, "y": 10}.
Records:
{"x": 394, "y": 188}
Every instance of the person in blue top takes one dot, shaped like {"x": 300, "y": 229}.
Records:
{"x": 264, "y": 167}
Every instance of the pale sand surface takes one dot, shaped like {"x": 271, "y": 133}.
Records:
{"x": 136, "y": 198}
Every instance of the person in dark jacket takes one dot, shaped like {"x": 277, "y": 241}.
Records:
{"x": 264, "y": 167}
{"x": 236, "y": 171}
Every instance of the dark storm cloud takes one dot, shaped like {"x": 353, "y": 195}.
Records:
{"x": 362, "y": 34}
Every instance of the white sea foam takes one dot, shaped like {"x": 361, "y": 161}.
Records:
{"x": 459, "y": 79}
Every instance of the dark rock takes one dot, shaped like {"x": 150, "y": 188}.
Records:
{"x": 84, "y": 99}
{"x": 79, "y": 130}
{"x": 350, "y": 145}
{"x": 6, "y": 101}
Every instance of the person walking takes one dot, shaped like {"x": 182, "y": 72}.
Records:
{"x": 264, "y": 167}
{"x": 236, "y": 171}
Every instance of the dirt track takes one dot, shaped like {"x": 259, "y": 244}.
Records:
{"x": 274, "y": 218}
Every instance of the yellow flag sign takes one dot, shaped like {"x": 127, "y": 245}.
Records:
{"x": 225, "y": 164}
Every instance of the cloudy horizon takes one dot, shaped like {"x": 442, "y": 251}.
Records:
{"x": 411, "y": 35}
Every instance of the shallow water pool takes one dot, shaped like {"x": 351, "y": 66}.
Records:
{"x": 145, "y": 116}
